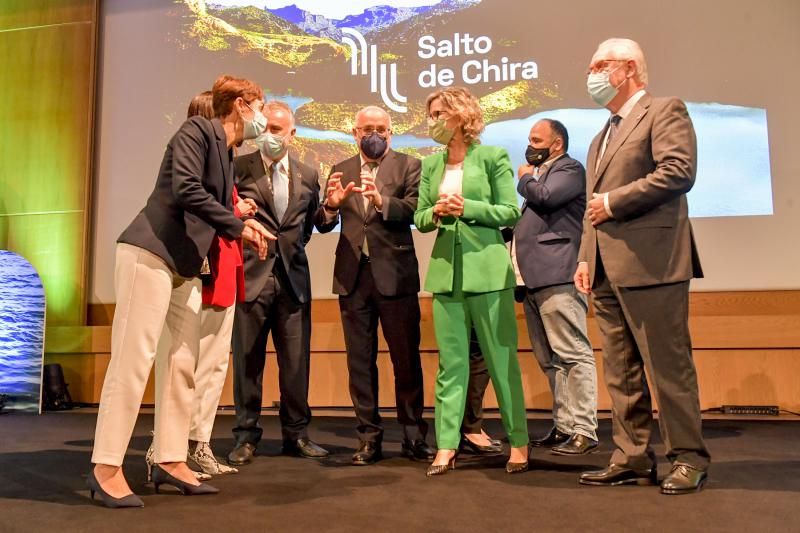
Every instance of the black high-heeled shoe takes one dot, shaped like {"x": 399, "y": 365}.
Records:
{"x": 131, "y": 500}
{"x": 162, "y": 477}
{"x": 438, "y": 470}
{"x": 494, "y": 448}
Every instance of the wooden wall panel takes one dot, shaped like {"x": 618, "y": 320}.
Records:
{"x": 742, "y": 357}
{"x": 738, "y": 377}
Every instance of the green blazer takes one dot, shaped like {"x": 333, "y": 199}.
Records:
{"x": 490, "y": 202}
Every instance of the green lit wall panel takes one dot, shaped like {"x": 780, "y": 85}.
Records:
{"x": 15, "y": 14}
{"x": 47, "y": 50}
{"x": 52, "y": 243}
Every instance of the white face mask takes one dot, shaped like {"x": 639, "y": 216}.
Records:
{"x": 600, "y": 88}
{"x": 255, "y": 126}
{"x": 272, "y": 146}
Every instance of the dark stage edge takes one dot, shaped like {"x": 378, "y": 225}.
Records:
{"x": 754, "y": 486}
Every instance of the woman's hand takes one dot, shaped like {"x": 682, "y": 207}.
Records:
{"x": 255, "y": 235}
{"x": 246, "y": 207}
{"x": 441, "y": 208}
{"x": 455, "y": 203}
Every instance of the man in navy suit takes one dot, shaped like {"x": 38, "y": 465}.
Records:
{"x": 546, "y": 243}
{"x": 277, "y": 297}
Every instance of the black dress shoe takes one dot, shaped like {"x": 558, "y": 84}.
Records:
{"x": 495, "y": 447}
{"x": 576, "y": 445}
{"x": 553, "y": 438}
{"x": 683, "y": 479}
{"x": 367, "y": 453}
{"x": 304, "y": 447}
{"x": 242, "y": 454}
{"x": 613, "y": 475}
{"x": 417, "y": 450}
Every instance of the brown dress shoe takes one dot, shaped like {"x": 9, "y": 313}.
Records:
{"x": 614, "y": 475}
{"x": 684, "y": 479}
{"x": 242, "y": 454}
{"x": 304, "y": 447}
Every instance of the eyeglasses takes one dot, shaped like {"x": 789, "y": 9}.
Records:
{"x": 369, "y": 130}
{"x": 604, "y": 65}
{"x": 440, "y": 114}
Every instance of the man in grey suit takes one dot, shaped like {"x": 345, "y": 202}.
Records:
{"x": 546, "y": 241}
{"x": 277, "y": 291}
{"x": 637, "y": 257}
{"x": 376, "y": 276}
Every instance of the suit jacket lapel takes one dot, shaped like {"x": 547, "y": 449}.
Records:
{"x": 436, "y": 177}
{"x": 295, "y": 185}
{"x": 467, "y": 173}
{"x": 225, "y": 161}
{"x": 547, "y": 170}
{"x": 591, "y": 156}
{"x": 628, "y": 124}
{"x": 384, "y": 174}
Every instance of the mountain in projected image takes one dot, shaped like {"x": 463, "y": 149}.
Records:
{"x": 250, "y": 29}
{"x": 291, "y": 36}
{"x": 276, "y": 51}
{"x": 371, "y": 20}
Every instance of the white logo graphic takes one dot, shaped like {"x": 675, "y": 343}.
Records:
{"x": 358, "y": 52}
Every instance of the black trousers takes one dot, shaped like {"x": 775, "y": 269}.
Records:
{"x": 275, "y": 311}
{"x": 399, "y": 317}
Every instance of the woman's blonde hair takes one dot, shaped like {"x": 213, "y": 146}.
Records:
{"x": 464, "y": 105}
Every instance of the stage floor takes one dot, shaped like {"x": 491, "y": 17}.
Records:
{"x": 754, "y": 485}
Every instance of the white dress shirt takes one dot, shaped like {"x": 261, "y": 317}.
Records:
{"x": 622, "y": 113}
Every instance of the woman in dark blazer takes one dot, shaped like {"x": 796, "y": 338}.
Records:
{"x": 467, "y": 194}
{"x": 158, "y": 263}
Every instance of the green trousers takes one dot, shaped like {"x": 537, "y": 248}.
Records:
{"x": 493, "y": 317}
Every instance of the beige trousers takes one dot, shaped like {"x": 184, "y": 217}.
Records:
{"x": 149, "y": 297}
{"x": 212, "y": 368}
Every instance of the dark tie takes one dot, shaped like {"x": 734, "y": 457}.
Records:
{"x": 613, "y": 127}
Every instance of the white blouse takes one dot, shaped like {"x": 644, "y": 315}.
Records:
{"x": 453, "y": 176}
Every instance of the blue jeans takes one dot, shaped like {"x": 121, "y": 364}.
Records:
{"x": 556, "y": 317}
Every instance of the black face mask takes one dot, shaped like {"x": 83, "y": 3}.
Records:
{"x": 536, "y": 156}
{"x": 373, "y": 145}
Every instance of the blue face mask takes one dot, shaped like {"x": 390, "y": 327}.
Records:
{"x": 272, "y": 146}
{"x": 600, "y": 88}
{"x": 255, "y": 126}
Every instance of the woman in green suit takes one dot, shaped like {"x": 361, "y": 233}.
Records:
{"x": 467, "y": 194}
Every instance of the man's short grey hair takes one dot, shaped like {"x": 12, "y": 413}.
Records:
{"x": 374, "y": 108}
{"x": 274, "y": 105}
{"x": 627, "y": 49}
